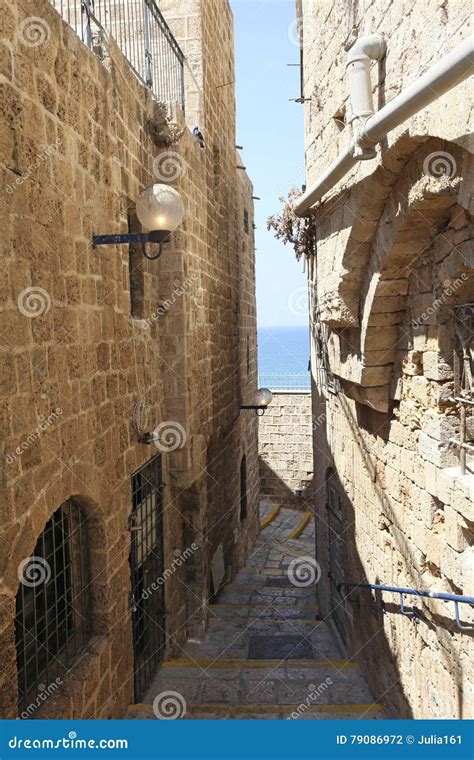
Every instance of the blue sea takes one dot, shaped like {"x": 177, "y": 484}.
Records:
{"x": 283, "y": 358}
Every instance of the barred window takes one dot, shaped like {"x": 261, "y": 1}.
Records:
{"x": 53, "y": 607}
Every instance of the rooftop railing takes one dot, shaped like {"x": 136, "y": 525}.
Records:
{"x": 142, "y": 35}
{"x": 285, "y": 381}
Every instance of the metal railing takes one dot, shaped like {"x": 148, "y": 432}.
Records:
{"x": 456, "y": 598}
{"x": 285, "y": 381}
{"x": 142, "y": 35}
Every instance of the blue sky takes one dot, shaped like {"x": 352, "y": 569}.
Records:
{"x": 271, "y": 130}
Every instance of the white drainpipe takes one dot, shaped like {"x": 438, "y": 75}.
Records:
{"x": 372, "y": 47}
{"x": 442, "y": 77}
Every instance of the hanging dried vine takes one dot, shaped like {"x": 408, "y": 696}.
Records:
{"x": 299, "y": 232}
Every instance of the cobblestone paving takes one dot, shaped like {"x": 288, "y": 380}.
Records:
{"x": 266, "y": 653}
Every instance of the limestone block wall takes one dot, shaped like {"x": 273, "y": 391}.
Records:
{"x": 394, "y": 261}
{"x": 285, "y": 445}
{"x": 80, "y": 138}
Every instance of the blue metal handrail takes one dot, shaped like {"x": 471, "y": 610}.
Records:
{"x": 456, "y": 598}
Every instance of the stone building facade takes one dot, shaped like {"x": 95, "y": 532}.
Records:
{"x": 285, "y": 449}
{"x": 102, "y": 344}
{"x": 391, "y": 315}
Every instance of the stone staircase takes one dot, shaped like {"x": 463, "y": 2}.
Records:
{"x": 266, "y": 653}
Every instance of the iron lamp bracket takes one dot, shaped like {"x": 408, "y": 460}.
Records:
{"x": 259, "y": 409}
{"x": 132, "y": 238}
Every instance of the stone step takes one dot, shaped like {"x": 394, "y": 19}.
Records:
{"x": 266, "y": 712}
{"x": 267, "y": 595}
{"x": 234, "y": 638}
{"x": 277, "y": 611}
{"x": 246, "y": 664}
{"x": 287, "y": 684}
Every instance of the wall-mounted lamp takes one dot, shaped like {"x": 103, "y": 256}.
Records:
{"x": 160, "y": 210}
{"x": 263, "y": 397}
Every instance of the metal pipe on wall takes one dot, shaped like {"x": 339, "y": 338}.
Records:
{"x": 453, "y": 69}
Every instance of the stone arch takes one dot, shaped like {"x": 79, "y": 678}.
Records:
{"x": 26, "y": 536}
{"x": 417, "y": 210}
{"x": 358, "y": 212}
{"x": 25, "y": 532}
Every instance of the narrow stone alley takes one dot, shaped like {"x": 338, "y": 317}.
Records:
{"x": 266, "y": 653}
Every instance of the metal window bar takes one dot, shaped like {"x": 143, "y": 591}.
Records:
{"x": 142, "y": 35}
{"x": 53, "y": 614}
{"x": 147, "y": 572}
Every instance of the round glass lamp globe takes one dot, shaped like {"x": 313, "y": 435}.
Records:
{"x": 263, "y": 397}
{"x": 160, "y": 207}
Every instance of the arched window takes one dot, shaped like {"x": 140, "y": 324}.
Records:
{"x": 53, "y": 609}
{"x": 243, "y": 489}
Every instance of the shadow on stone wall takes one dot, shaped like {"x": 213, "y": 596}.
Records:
{"x": 358, "y": 616}
{"x": 358, "y": 612}
{"x": 274, "y": 488}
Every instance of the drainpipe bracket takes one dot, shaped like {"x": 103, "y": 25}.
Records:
{"x": 362, "y": 146}
{"x": 359, "y": 150}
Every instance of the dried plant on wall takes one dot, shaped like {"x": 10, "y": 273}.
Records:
{"x": 299, "y": 232}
